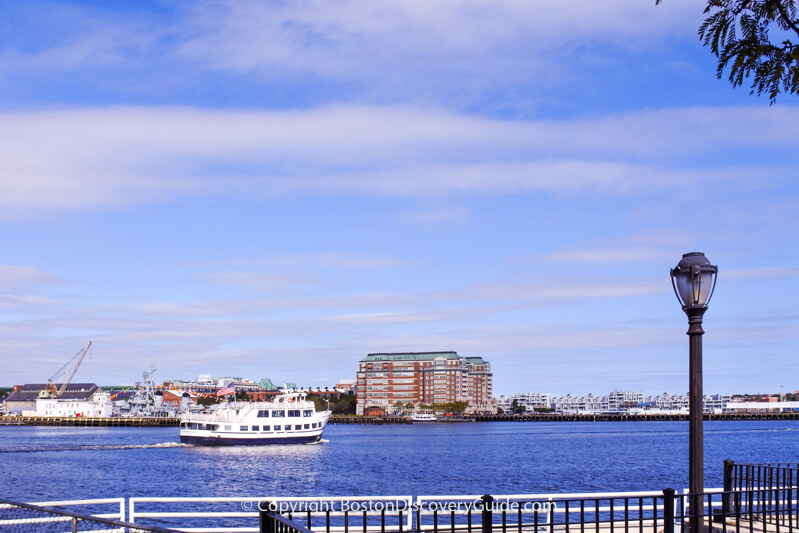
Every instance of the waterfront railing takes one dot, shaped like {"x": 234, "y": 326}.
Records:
{"x": 754, "y": 499}
{"x": 18, "y": 517}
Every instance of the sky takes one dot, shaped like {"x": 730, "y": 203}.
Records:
{"x": 276, "y": 189}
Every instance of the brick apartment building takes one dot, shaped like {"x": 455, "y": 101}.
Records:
{"x": 423, "y": 377}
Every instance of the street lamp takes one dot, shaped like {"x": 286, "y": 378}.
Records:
{"x": 694, "y": 280}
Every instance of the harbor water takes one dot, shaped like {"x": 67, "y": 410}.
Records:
{"x": 41, "y": 463}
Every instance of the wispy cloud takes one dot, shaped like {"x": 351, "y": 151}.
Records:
{"x": 99, "y": 158}
{"x": 24, "y": 278}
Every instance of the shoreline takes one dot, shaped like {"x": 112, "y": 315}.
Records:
{"x": 375, "y": 420}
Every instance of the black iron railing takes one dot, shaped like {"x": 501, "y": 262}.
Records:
{"x": 612, "y": 512}
{"x": 20, "y": 517}
{"x": 762, "y": 493}
{"x": 754, "y": 499}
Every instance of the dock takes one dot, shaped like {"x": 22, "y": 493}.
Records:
{"x": 84, "y": 421}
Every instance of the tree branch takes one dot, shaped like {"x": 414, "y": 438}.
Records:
{"x": 791, "y": 23}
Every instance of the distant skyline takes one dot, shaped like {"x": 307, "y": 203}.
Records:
{"x": 279, "y": 188}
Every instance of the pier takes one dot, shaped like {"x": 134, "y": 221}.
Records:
{"x": 85, "y": 421}
{"x": 552, "y": 417}
{"x": 377, "y": 420}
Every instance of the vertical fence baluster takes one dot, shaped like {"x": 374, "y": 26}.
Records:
{"x": 582, "y": 516}
{"x": 596, "y": 515}
{"x": 626, "y": 515}
{"x": 668, "y": 511}
{"x": 567, "y": 517}
{"x": 487, "y": 517}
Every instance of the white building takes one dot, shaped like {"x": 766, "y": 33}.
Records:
{"x": 98, "y": 404}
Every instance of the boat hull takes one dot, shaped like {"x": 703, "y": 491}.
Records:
{"x": 250, "y": 441}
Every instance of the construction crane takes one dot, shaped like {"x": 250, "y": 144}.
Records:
{"x": 68, "y": 371}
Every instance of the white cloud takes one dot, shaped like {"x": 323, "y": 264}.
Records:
{"x": 24, "y": 278}
{"x": 98, "y": 158}
{"x": 607, "y": 256}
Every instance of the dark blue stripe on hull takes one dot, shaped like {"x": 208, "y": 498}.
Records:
{"x": 219, "y": 441}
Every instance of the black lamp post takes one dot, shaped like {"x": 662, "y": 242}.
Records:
{"x": 694, "y": 279}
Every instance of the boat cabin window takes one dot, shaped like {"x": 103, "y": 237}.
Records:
{"x": 278, "y": 414}
{"x": 266, "y": 428}
{"x": 307, "y": 412}
{"x": 298, "y": 426}
{"x": 277, "y": 428}
{"x": 307, "y": 426}
{"x": 243, "y": 428}
{"x": 263, "y": 413}
{"x": 255, "y": 428}
{"x": 227, "y": 428}
{"x": 294, "y": 412}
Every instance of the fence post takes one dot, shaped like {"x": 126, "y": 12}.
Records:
{"x": 668, "y": 511}
{"x": 726, "y": 501}
{"x": 266, "y": 522}
{"x": 487, "y": 519}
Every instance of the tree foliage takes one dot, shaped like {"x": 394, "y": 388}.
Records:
{"x": 755, "y": 39}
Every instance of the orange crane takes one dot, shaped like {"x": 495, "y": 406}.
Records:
{"x": 68, "y": 371}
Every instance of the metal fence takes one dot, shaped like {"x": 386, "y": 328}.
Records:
{"x": 761, "y": 510}
{"x": 755, "y": 499}
{"x": 762, "y": 493}
{"x": 20, "y": 517}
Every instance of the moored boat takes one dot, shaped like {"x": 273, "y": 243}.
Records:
{"x": 423, "y": 417}
{"x": 289, "y": 419}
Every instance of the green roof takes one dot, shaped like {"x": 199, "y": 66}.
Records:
{"x": 267, "y": 384}
{"x": 476, "y": 360}
{"x": 409, "y": 356}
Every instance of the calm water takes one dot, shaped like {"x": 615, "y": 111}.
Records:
{"x": 474, "y": 458}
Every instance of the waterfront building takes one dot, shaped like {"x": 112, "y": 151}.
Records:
{"x": 97, "y": 404}
{"x": 388, "y": 382}
{"x": 205, "y": 384}
{"x": 23, "y": 400}
{"x": 633, "y": 402}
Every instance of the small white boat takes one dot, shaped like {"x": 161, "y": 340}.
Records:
{"x": 288, "y": 419}
{"x": 423, "y": 417}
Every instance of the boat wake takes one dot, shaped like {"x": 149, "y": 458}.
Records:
{"x": 91, "y": 447}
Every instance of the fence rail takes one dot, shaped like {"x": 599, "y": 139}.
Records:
{"x": 21, "y": 517}
{"x": 754, "y": 499}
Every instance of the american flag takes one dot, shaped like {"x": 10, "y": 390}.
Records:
{"x": 228, "y": 389}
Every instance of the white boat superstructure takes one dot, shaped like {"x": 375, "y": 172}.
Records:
{"x": 424, "y": 417}
{"x": 288, "y": 419}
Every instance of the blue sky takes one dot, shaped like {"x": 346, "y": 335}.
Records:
{"x": 279, "y": 188}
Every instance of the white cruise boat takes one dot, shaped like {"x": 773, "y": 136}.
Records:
{"x": 423, "y": 417}
{"x": 288, "y": 419}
